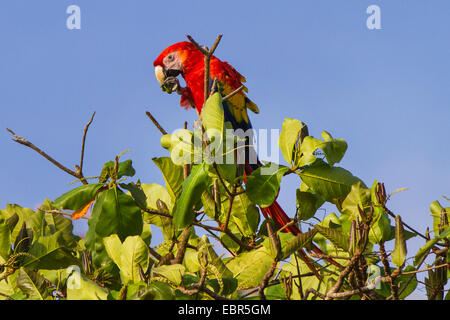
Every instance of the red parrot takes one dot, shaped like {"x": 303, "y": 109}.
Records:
{"x": 185, "y": 59}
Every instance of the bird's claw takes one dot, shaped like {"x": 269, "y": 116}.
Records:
{"x": 172, "y": 84}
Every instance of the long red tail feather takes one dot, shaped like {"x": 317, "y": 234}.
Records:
{"x": 277, "y": 214}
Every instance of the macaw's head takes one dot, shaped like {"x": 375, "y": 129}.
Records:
{"x": 177, "y": 59}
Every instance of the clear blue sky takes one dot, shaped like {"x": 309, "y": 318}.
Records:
{"x": 386, "y": 92}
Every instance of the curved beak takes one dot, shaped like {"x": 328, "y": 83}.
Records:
{"x": 160, "y": 74}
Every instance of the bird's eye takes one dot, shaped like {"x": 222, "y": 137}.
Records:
{"x": 170, "y": 57}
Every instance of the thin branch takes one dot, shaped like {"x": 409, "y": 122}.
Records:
{"x": 86, "y": 128}
{"x": 265, "y": 280}
{"x": 233, "y": 93}
{"x": 182, "y": 245}
{"x": 156, "y": 123}
{"x": 30, "y": 145}
{"x": 426, "y": 269}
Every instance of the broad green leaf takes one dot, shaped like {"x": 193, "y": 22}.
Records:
{"x": 5, "y": 242}
{"x": 136, "y": 192}
{"x": 264, "y": 183}
{"x": 182, "y": 149}
{"x": 408, "y": 280}
{"x": 78, "y": 197}
{"x": 173, "y": 272}
{"x": 50, "y": 252}
{"x": 334, "y": 149}
{"x": 301, "y": 240}
{"x": 155, "y": 192}
{"x": 82, "y": 288}
{"x": 156, "y": 291}
{"x": 288, "y": 138}
{"x": 307, "y": 203}
{"x": 380, "y": 231}
{"x": 335, "y": 236}
{"x": 440, "y": 217}
{"x": 134, "y": 254}
{"x": 119, "y": 215}
{"x": 125, "y": 168}
{"x": 213, "y": 121}
{"x": 332, "y": 184}
{"x": 212, "y": 113}
{"x": 423, "y": 251}
{"x": 172, "y": 174}
{"x": 193, "y": 187}
{"x": 113, "y": 247}
{"x": 307, "y": 282}
{"x": 244, "y": 213}
{"x": 23, "y": 214}
{"x": 250, "y": 267}
{"x": 128, "y": 256}
{"x": 357, "y": 197}
{"x": 32, "y": 284}
{"x": 399, "y": 253}
{"x": 94, "y": 242}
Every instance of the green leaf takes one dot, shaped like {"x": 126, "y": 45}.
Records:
{"x": 78, "y": 197}
{"x": 334, "y": 149}
{"x": 136, "y": 192}
{"x": 307, "y": 203}
{"x": 128, "y": 256}
{"x": 213, "y": 118}
{"x": 332, "y": 184}
{"x": 5, "y": 242}
{"x": 440, "y": 217}
{"x": 399, "y": 253}
{"x": 23, "y": 214}
{"x": 113, "y": 247}
{"x": 50, "y": 252}
{"x": 182, "y": 149}
{"x": 119, "y": 215}
{"x": 357, "y": 197}
{"x": 301, "y": 240}
{"x": 264, "y": 183}
{"x": 244, "y": 214}
{"x": 134, "y": 254}
{"x": 173, "y": 272}
{"x": 32, "y": 284}
{"x": 82, "y": 288}
{"x": 193, "y": 186}
{"x": 250, "y": 267}
{"x": 172, "y": 174}
{"x": 288, "y": 138}
{"x": 408, "y": 280}
{"x": 156, "y": 291}
{"x": 335, "y": 236}
{"x": 125, "y": 168}
{"x": 380, "y": 231}
{"x": 423, "y": 251}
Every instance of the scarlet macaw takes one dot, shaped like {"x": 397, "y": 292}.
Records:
{"x": 185, "y": 59}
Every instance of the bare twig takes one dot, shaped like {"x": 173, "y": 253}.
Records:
{"x": 184, "y": 238}
{"x": 156, "y": 123}
{"x": 86, "y": 128}
{"x": 266, "y": 279}
{"x": 30, "y": 145}
{"x": 207, "y": 54}
{"x": 233, "y": 93}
